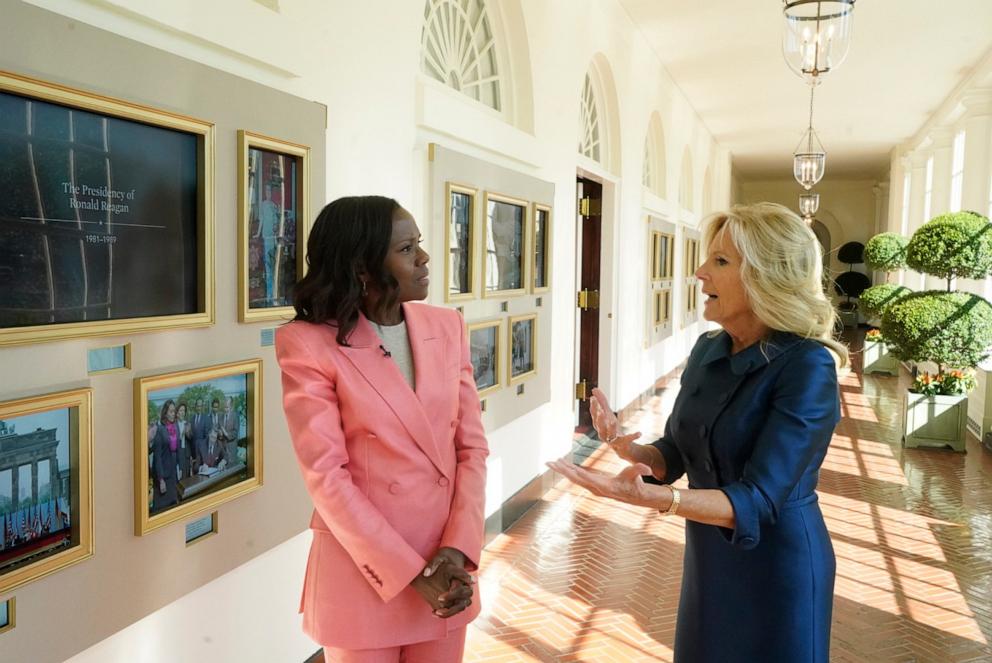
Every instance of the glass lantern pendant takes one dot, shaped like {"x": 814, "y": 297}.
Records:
{"x": 809, "y": 160}
{"x": 808, "y": 204}
{"x": 817, "y": 36}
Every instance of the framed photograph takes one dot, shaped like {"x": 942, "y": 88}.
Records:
{"x": 541, "y": 241}
{"x": 485, "y": 343}
{"x": 459, "y": 242}
{"x": 46, "y": 485}
{"x": 106, "y": 222}
{"x": 8, "y": 614}
{"x": 504, "y": 267}
{"x": 523, "y": 347}
{"x": 273, "y": 216}
{"x": 197, "y": 441}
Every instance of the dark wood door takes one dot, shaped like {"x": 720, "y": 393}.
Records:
{"x": 590, "y": 205}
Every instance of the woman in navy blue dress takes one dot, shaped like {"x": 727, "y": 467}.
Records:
{"x": 750, "y": 428}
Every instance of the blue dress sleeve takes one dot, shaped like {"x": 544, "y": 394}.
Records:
{"x": 803, "y": 412}
{"x": 674, "y": 467}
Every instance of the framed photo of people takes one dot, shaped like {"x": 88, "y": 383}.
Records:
{"x": 504, "y": 267}
{"x": 523, "y": 347}
{"x": 541, "y": 243}
{"x": 459, "y": 242}
{"x": 273, "y": 190}
{"x": 46, "y": 485}
{"x": 106, "y": 220}
{"x": 485, "y": 343}
{"x": 197, "y": 441}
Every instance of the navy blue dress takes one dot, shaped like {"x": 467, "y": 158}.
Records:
{"x": 755, "y": 425}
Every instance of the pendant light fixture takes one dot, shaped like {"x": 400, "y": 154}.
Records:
{"x": 817, "y": 36}
{"x": 809, "y": 159}
{"x": 809, "y": 203}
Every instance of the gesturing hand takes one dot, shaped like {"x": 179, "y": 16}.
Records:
{"x": 627, "y": 486}
{"x": 606, "y": 425}
{"x": 445, "y": 584}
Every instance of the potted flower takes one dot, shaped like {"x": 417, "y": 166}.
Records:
{"x": 876, "y": 355}
{"x": 948, "y": 328}
{"x": 937, "y": 409}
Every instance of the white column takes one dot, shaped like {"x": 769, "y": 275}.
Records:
{"x": 975, "y": 192}
{"x": 897, "y": 175}
{"x": 940, "y": 198}
{"x": 977, "y": 150}
{"x": 917, "y": 196}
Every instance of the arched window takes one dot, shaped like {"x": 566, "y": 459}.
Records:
{"x": 458, "y": 48}
{"x": 685, "y": 185}
{"x": 707, "y": 192}
{"x": 589, "y": 132}
{"x": 653, "y": 176}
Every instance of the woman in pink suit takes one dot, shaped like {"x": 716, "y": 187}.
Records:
{"x": 385, "y": 419}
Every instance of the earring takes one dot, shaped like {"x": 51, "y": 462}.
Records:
{"x": 365, "y": 288}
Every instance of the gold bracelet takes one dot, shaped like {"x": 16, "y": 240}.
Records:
{"x": 676, "y": 500}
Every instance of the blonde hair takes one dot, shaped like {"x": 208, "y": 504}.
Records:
{"x": 781, "y": 270}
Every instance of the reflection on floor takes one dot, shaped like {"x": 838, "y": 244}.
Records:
{"x": 578, "y": 579}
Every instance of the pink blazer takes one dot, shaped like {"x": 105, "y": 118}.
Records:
{"x": 393, "y": 474}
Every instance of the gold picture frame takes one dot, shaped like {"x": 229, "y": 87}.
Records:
{"x": 280, "y": 248}
{"x": 545, "y": 249}
{"x": 80, "y": 201}
{"x": 11, "y": 615}
{"x": 211, "y": 470}
{"x": 452, "y": 189}
{"x": 517, "y": 284}
{"x": 520, "y": 355}
{"x": 57, "y": 532}
{"x": 493, "y": 362}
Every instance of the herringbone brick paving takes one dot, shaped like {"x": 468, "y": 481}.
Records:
{"x": 578, "y": 578}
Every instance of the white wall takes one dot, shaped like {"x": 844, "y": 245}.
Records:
{"x": 361, "y": 59}
{"x": 847, "y": 209}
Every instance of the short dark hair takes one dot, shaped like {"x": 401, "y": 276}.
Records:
{"x": 215, "y": 402}
{"x": 350, "y": 235}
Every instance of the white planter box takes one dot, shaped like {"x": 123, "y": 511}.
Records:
{"x": 935, "y": 421}
{"x": 877, "y": 359}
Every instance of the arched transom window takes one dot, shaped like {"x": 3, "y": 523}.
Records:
{"x": 458, "y": 48}
{"x": 589, "y": 116}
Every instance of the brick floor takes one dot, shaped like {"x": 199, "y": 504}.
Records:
{"x": 581, "y": 579}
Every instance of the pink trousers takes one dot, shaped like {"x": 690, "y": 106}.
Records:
{"x": 448, "y": 650}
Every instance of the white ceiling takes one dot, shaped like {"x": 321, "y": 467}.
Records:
{"x": 907, "y": 56}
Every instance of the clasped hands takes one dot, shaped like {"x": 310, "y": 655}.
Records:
{"x": 445, "y": 584}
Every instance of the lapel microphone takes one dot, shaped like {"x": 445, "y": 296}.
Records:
{"x": 385, "y": 352}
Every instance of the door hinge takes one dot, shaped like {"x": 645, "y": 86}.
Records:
{"x": 588, "y": 299}
{"x": 589, "y": 206}
{"x": 581, "y": 390}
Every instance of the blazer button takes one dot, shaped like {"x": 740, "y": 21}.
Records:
{"x": 443, "y": 482}
{"x": 394, "y": 488}
{"x": 454, "y": 424}
{"x": 372, "y": 437}
{"x": 702, "y": 430}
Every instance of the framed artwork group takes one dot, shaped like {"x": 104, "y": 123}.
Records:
{"x": 495, "y": 367}
{"x": 107, "y": 228}
{"x": 496, "y": 246}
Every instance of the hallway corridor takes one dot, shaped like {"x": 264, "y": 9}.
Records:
{"x": 579, "y": 579}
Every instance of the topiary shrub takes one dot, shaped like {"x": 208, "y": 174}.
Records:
{"x": 886, "y": 252}
{"x": 953, "y": 329}
{"x": 875, "y": 299}
{"x": 955, "y": 245}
